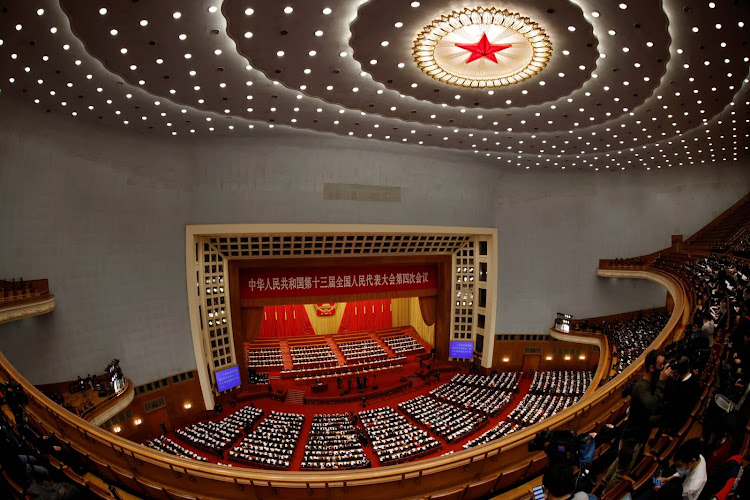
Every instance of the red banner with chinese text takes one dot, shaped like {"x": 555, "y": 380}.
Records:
{"x": 275, "y": 283}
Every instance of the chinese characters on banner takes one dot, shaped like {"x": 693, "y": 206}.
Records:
{"x": 273, "y": 283}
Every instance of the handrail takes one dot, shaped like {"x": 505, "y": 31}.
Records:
{"x": 464, "y": 466}
{"x": 112, "y": 401}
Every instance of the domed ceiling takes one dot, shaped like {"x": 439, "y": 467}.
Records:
{"x": 556, "y": 84}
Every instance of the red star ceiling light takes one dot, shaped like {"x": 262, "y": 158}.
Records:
{"x": 482, "y": 48}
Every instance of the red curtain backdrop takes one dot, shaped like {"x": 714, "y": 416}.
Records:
{"x": 366, "y": 315}
{"x": 285, "y": 321}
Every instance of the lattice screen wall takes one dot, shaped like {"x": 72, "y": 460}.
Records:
{"x": 214, "y": 249}
{"x": 214, "y": 307}
{"x": 316, "y": 245}
{"x": 464, "y": 315}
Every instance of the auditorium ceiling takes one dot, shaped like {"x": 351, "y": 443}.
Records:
{"x": 581, "y": 84}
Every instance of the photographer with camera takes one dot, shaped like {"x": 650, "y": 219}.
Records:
{"x": 646, "y": 398}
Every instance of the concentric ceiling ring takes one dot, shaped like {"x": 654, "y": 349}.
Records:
{"x": 482, "y": 48}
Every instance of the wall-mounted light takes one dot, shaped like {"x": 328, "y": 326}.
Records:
{"x": 187, "y": 406}
{"x": 505, "y": 360}
{"x": 138, "y": 421}
{"x": 581, "y": 357}
{"x": 117, "y": 428}
{"x": 567, "y": 358}
{"x": 548, "y": 358}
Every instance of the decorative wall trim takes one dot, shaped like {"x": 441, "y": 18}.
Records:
{"x": 13, "y": 313}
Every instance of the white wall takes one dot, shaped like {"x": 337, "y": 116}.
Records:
{"x": 101, "y": 213}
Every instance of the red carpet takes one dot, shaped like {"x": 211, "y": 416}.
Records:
{"x": 384, "y": 379}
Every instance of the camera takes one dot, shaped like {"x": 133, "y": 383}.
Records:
{"x": 565, "y": 447}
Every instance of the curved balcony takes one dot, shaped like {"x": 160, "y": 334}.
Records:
{"x": 494, "y": 465}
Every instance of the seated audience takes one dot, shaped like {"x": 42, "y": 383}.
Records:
{"x": 272, "y": 443}
{"x": 394, "y": 439}
{"x": 333, "y": 444}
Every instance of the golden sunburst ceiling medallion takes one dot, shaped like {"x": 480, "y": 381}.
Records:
{"x": 482, "y": 48}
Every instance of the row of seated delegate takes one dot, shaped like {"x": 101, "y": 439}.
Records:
{"x": 501, "y": 429}
{"x": 485, "y": 400}
{"x": 259, "y": 378}
{"x": 333, "y": 444}
{"x": 363, "y": 349}
{"x": 506, "y": 381}
{"x": 536, "y": 407}
{"x": 443, "y": 419}
{"x": 567, "y": 382}
{"x": 259, "y": 358}
{"x": 403, "y": 343}
{"x": 393, "y": 438}
{"x": 272, "y": 443}
{"x": 166, "y": 445}
{"x": 218, "y": 436}
{"x": 632, "y": 337}
{"x": 320, "y": 355}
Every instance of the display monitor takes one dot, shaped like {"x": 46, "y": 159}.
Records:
{"x": 461, "y": 350}
{"x": 228, "y": 378}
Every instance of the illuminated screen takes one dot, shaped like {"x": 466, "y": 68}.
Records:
{"x": 228, "y": 379}
{"x": 463, "y": 350}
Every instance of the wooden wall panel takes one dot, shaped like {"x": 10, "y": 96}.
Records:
{"x": 514, "y": 351}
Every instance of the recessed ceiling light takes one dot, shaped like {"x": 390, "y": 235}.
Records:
{"x": 280, "y": 53}
{"x": 623, "y": 6}
{"x": 319, "y": 33}
{"x": 248, "y": 34}
{"x": 399, "y": 24}
{"x": 40, "y": 12}
{"x": 595, "y": 14}
{"x": 612, "y": 32}
{"x": 144, "y": 23}
{"x": 212, "y": 9}
{"x": 53, "y": 30}
{"x": 373, "y": 61}
{"x": 342, "y": 54}
{"x": 188, "y": 56}
{"x": 326, "y": 11}
{"x": 384, "y": 43}
{"x": 113, "y": 32}
{"x": 571, "y": 28}
{"x": 122, "y": 50}
{"x": 288, "y": 10}
{"x": 103, "y": 11}
{"x": 401, "y": 65}
{"x": 249, "y": 12}
{"x": 415, "y": 4}
{"x": 312, "y": 53}
{"x": 217, "y": 52}
{"x": 177, "y": 15}
{"x": 19, "y": 27}
{"x": 183, "y": 36}
{"x": 695, "y": 29}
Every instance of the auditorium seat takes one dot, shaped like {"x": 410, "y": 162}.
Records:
{"x": 481, "y": 488}
{"x": 643, "y": 471}
{"x": 104, "y": 471}
{"x": 511, "y": 476}
{"x": 619, "y": 490}
{"x": 176, "y": 495}
{"x": 17, "y": 489}
{"x": 537, "y": 465}
{"x": 152, "y": 490}
{"x": 455, "y": 494}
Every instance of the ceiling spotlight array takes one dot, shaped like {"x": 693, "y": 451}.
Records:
{"x": 625, "y": 86}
